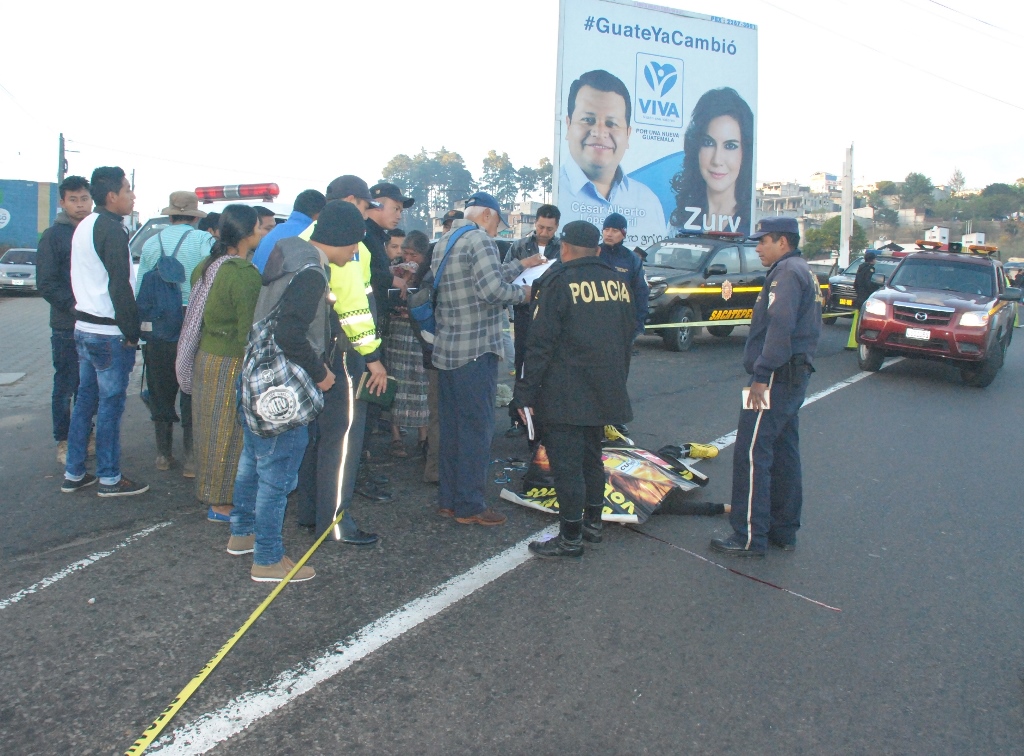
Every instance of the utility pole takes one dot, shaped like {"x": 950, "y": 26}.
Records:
{"x": 846, "y": 218}
{"x": 62, "y": 163}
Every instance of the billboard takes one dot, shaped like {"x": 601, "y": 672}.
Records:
{"x": 656, "y": 116}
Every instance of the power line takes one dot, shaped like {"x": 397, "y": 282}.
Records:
{"x": 968, "y": 15}
{"x": 947, "y": 19}
{"x": 1013, "y": 105}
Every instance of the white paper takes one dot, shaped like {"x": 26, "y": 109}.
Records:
{"x": 528, "y": 276}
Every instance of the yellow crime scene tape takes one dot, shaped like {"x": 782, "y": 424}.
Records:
{"x": 153, "y": 731}
{"x": 745, "y": 321}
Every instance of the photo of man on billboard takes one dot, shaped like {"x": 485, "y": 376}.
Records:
{"x": 713, "y": 188}
{"x": 592, "y": 185}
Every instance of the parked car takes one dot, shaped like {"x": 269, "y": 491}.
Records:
{"x": 951, "y": 307}
{"x": 18, "y": 269}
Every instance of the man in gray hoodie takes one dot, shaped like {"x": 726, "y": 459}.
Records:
{"x": 53, "y": 276}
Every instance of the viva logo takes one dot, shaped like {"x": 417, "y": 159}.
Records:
{"x": 660, "y": 80}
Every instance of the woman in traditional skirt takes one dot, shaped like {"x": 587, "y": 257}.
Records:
{"x": 404, "y": 355}
{"x": 227, "y": 319}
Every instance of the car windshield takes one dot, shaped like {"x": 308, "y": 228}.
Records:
{"x": 976, "y": 280}
{"x": 678, "y": 255}
{"x": 19, "y": 257}
{"x": 153, "y": 227}
{"x": 885, "y": 267}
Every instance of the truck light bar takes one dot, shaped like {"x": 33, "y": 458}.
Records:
{"x": 265, "y": 192}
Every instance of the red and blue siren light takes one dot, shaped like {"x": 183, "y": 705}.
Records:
{"x": 265, "y": 192}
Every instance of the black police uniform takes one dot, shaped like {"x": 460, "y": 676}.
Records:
{"x": 863, "y": 286}
{"x": 767, "y": 484}
{"x": 577, "y": 363}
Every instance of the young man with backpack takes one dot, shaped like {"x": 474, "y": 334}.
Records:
{"x": 162, "y": 288}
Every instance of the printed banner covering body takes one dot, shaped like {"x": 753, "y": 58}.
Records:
{"x": 656, "y": 119}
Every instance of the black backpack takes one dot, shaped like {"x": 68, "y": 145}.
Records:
{"x": 159, "y": 299}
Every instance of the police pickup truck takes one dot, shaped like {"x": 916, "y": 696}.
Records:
{"x": 702, "y": 278}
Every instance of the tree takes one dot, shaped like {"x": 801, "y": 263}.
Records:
{"x": 826, "y": 238}
{"x": 544, "y": 176}
{"x": 526, "y": 180}
{"x": 436, "y": 180}
{"x": 887, "y": 188}
{"x": 916, "y": 190}
{"x": 886, "y": 216}
{"x": 500, "y": 178}
{"x": 956, "y": 182}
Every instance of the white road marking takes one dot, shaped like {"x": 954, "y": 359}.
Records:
{"x": 207, "y": 731}
{"x": 210, "y": 729}
{"x": 81, "y": 564}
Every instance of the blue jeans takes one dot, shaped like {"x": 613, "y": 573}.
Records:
{"x": 104, "y": 366}
{"x": 466, "y": 411}
{"x": 767, "y": 481}
{"x": 267, "y": 472}
{"x": 65, "y": 379}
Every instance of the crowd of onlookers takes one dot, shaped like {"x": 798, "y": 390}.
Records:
{"x": 329, "y": 290}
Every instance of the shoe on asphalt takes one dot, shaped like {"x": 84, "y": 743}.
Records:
{"x": 238, "y": 545}
{"x": 374, "y": 493}
{"x": 123, "y": 487}
{"x": 446, "y": 512}
{"x": 62, "y": 452}
{"x": 214, "y": 516}
{"x": 701, "y": 451}
{"x": 360, "y": 538}
{"x": 188, "y": 468}
{"x": 274, "y": 573}
{"x": 593, "y": 525}
{"x": 164, "y": 462}
{"x": 568, "y": 544}
{"x": 70, "y": 486}
{"x": 486, "y": 518}
{"x": 517, "y": 430}
{"x": 736, "y": 546}
{"x": 780, "y": 544}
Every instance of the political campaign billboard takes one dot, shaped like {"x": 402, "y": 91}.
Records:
{"x": 656, "y": 118}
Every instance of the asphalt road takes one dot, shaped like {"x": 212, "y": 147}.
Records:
{"x": 911, "y": 528}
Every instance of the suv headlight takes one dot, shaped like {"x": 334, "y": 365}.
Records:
{"x": 974, "y": 319}
{"x": 875, "y": 307}
{"x": 658, "y": 284}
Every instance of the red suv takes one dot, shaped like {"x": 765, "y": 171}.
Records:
{"x": 943, "y": 306}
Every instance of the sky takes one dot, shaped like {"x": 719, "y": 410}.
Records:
{"x": 300, "y": 92}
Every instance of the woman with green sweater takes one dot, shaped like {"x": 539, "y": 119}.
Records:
{"x": 227, "y": 319}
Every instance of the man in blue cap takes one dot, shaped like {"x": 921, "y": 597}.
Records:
{"x": 472, "y": 293}
{"x": 767, "y": 486}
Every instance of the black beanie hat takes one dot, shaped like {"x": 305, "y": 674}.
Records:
{"x": 581, "y": 234}
{"x": 615, "y": 220}
{"x": 339, "y": 224}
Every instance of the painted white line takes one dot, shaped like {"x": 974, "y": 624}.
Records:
{"x": 724, "y": 442}
{"x": 207, "y": 731}
{"x": 76, "y": 566}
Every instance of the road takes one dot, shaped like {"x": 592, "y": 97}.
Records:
{"x": 911, "y": 529}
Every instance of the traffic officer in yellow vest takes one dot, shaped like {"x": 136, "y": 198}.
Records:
{"x": 574, "y": 379}
{"x": 767, "y": 482}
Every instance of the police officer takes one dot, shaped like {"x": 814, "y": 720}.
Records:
{"x": 574, "y": 379}
{"x": 627, "y": 264}
{"x": 863, "y": 288}
{"x": 767, "y": 488}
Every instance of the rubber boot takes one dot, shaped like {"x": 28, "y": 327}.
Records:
{"x": 593, "y": 525}
{"x": 851, "y": 343}
{"x": 189, "y": 465}
{"x": 567, "y": 544}
{"x": 164, "y": 435}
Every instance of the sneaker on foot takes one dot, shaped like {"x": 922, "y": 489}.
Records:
{"x": 487, "y": 518}
{"x": 62, "y": 452}
{"x": 188, "y": 468}
{"x": 123, "y": 487}
{"x": 70, "y": 486}
{"x": 164, "y": 462}
{"x": 274, "y": 573}
{"x": 701, "y": 451}
{"x": 238, "y": 545}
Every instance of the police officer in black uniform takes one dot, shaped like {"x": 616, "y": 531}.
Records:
{"x": 767, "y": 487}
{"x": 574, "y": 379}
{"x": 863, "y": 286}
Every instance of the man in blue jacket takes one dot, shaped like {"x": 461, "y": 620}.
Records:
{"x": 767, "y": 484}
{"x": 627, "y": 265}
{"x": 307, "y": 207}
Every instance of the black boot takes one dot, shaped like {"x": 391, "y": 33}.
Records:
{"x": 164, "y": 436}
{"x": 592, "y": 525}
{"x": 568, "y": 543}
{"x": 189, "y": 466}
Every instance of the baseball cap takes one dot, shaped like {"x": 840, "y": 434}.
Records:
{"x": 349, "y": 186}
{"x": 483, "y": 199}
{"x": 581, "y": 234}
{"x": 615, "y": 220}
{"x": 775, "y": 225}
{"x": 870, "y": 254}
{"x": 339, "y": 224}
{"x": 452, "y": 215}
{"x": 377, "y": 191}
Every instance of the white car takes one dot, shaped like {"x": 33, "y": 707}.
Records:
{"x": 18, "y": 269}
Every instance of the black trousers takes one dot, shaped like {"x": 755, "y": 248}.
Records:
{"x": 521, "y": 319}
{"x": 162, "y": 381}
{"x": 574, "y": 452}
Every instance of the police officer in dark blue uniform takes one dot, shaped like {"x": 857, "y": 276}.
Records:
{"x": 574, "y": 379}
{"x": 767, "y": 486}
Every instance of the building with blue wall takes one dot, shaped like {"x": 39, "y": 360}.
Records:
{"x": 27, "y": 208}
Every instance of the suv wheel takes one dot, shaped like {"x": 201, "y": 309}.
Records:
{"x": 870, "y": 358}
{"x": 720, "y": 331}
{"x": 680, "y": 339}
{"x": 983, "y": 373}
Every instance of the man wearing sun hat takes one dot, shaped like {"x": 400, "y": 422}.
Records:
{"x": 161, "y": 380}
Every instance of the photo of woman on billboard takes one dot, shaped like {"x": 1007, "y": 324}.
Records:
{"x": 713, "y": 189}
